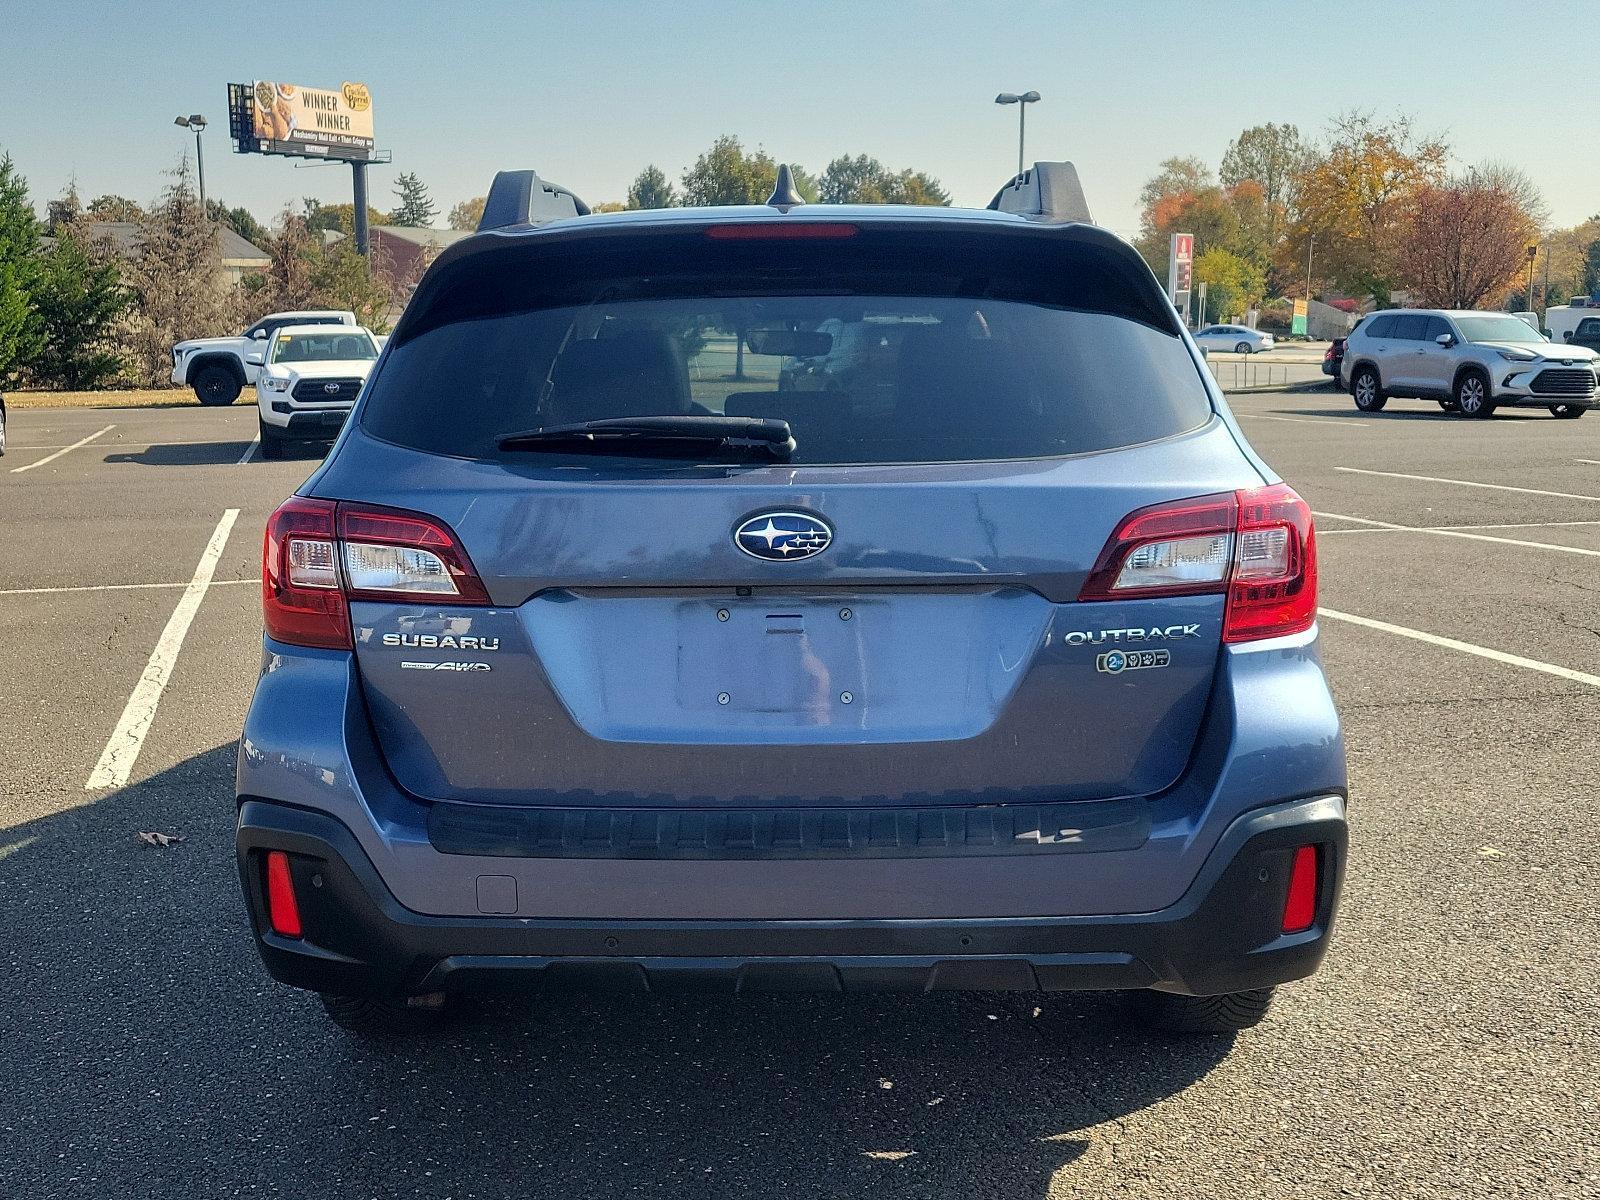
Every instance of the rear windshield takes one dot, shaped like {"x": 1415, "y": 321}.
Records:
{"x": 862, "y": 371}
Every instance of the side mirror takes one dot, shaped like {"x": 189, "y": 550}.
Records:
{"x": 260, "y": 335}
{"x": 1567, "y": 336}
{"x": 255, "y": 358}
{"x": 1446, "y": 340}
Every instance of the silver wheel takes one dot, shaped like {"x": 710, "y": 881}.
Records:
{"x": 1364, "y": 387}
{"x": 1242, "y": 348}
{"x": 1471, "y": 395}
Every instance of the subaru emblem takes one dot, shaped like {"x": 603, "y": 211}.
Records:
{"x": 781, "y": 536}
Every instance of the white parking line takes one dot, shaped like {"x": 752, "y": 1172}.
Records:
{"x": 1303, "y": 420}
{"x": 1498, "y": 487}
{"x": 1456, "y": 533}
{"x": 127, "y": 444}
{"x": 249, "y": 451}
{"x": 1433, "y": 639}
{"x": 60, "y": 452}
{"x": 122, "y": 751}
{"x": 1448, "y": 528}
{"x": 113, "y": 587}
{"x": 1588, "y": 462}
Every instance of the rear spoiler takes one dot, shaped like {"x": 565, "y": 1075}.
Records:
{"x": 522, "y": 198}
{"x": 1049, "y": 192}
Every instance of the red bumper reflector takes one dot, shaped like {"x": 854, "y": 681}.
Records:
{"x": 1300, "y": 909}
{"x": 282, "y": 908}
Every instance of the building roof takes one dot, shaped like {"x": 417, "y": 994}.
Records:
{"x": 433, "y": 239}
{"x": 124, "y": 238}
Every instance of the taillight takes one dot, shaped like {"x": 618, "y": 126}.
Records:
{"x": 318, "y": 555}
{"x": 301, "y": 602}
{"x": 1300, "y": 906}
{"x": 1256, "y": 545}
{"x": 1274, "y": 587}
{"x": 283, "y": 910}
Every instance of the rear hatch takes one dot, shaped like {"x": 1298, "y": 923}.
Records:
{"x": 900, "y": 608}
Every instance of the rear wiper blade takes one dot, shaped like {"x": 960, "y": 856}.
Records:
{"x": 638, "y": 434}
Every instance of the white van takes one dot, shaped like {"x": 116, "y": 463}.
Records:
{"x": 1561, "y": 320}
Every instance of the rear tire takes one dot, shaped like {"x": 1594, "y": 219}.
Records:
{"x": 272, "y": 447}
{"x": 1228, "y": 1013}
{"x": 1564, "y": 412}
{"x": 1472, "y": 396}
{"x": 216, "y": 386}
{"x": 381, "y": 1019}
{"x": 1242, "y": 348}
{"x": 1368, "y": 393}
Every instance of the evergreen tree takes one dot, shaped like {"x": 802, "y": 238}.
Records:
{"x": 78, "y": 304}
{"x": 341, "y": 278}
{"x": 651, "y": 189}
{"x": 177, "y": 279}
{"x": 416, "y": 207}
{"x": 20, "y": 338}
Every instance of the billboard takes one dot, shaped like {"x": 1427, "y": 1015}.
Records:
{"x": 1297, "y": 322}
{"x": 271, "y": 117}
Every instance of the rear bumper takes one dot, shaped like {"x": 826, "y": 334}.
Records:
{"x": 1223, "y": 935}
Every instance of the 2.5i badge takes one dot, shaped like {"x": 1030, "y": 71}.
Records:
{"x": 1115, "y": 662}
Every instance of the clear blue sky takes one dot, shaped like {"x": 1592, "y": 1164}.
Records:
{"x": 587, "y": 93}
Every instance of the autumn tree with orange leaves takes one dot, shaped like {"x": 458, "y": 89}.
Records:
{"x": 1356, "y": 198}
{"x": 1465, "y": 241}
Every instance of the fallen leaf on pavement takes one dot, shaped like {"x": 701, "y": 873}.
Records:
{"x": 159, "y": 839}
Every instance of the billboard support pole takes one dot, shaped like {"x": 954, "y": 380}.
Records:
{"x": 358, "y": 172}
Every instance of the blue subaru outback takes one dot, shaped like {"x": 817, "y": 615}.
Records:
{"x": 791, "y": 597}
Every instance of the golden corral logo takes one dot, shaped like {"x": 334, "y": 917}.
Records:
{"x": 357, "y": 96}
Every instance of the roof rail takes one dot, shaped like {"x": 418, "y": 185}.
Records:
{"x": 522, "y": 198}
{"x": 1048, "y": 192}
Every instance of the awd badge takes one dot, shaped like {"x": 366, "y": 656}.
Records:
{"x": 1115, "y": 662}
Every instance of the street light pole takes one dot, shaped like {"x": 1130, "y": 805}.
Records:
{"x": 197, "y": 123}
{"x": 1310, "y": 250}
{"x": 1021, "y": 100}
{"x": 1533, "y": 253}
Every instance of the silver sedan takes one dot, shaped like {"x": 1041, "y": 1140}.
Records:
{"x": 1239, "y": 338}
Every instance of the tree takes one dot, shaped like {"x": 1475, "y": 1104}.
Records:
{"x": 865, "y": 180}
{"x": 337, "y": 218}
{"x": 115, "y": 208}
{"x": 1176, "y": 177}
{"x": 64, "y": 211}
{"x": 79, "y": 303}
{"x": 651, "y": 189}
{"x": 286, "y": 284}
{"x": 1233, "y": 283}
{"x": 1465, "y": 241}
{"x": 240, "y": 220}
{"x": 1355, "y": 197}
{"x": 606, "y": 206}
{"x": 1271, "y": 156}
{"x": 467, "y": 214}
{"x": 416, "y": 207}
{"x": 180, "y": 289}
{"x": 725, "y": 174}
{"x": 20, "y": 335}
{"x": 1590, "y": 281}
{"x": 342, "y": 278}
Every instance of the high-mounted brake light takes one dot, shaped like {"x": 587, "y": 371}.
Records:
{"x": 1257, "y": 545}
{"x": 318, "y": 555}
{"x": 759, "y": 231}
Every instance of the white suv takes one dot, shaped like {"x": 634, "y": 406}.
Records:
{"x": 1470, "y": 362}
{"x": 310, "y": 377}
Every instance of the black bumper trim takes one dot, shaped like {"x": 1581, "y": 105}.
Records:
{"x": 948, "y": 831}
{"x": 1224, "y": 935}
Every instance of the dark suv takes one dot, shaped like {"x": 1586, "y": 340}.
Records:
{"x": 599, "y": 652}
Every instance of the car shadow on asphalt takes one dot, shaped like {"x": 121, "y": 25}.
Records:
{"x": 1410, "y": 414}
{"x": 154, "y": 1055}
{"x": 212, "y": 454}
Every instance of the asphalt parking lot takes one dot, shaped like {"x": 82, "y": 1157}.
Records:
{"x": 1449, "y": 1048}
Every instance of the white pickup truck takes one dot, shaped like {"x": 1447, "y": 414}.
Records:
{"x": 218, "y": 368}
